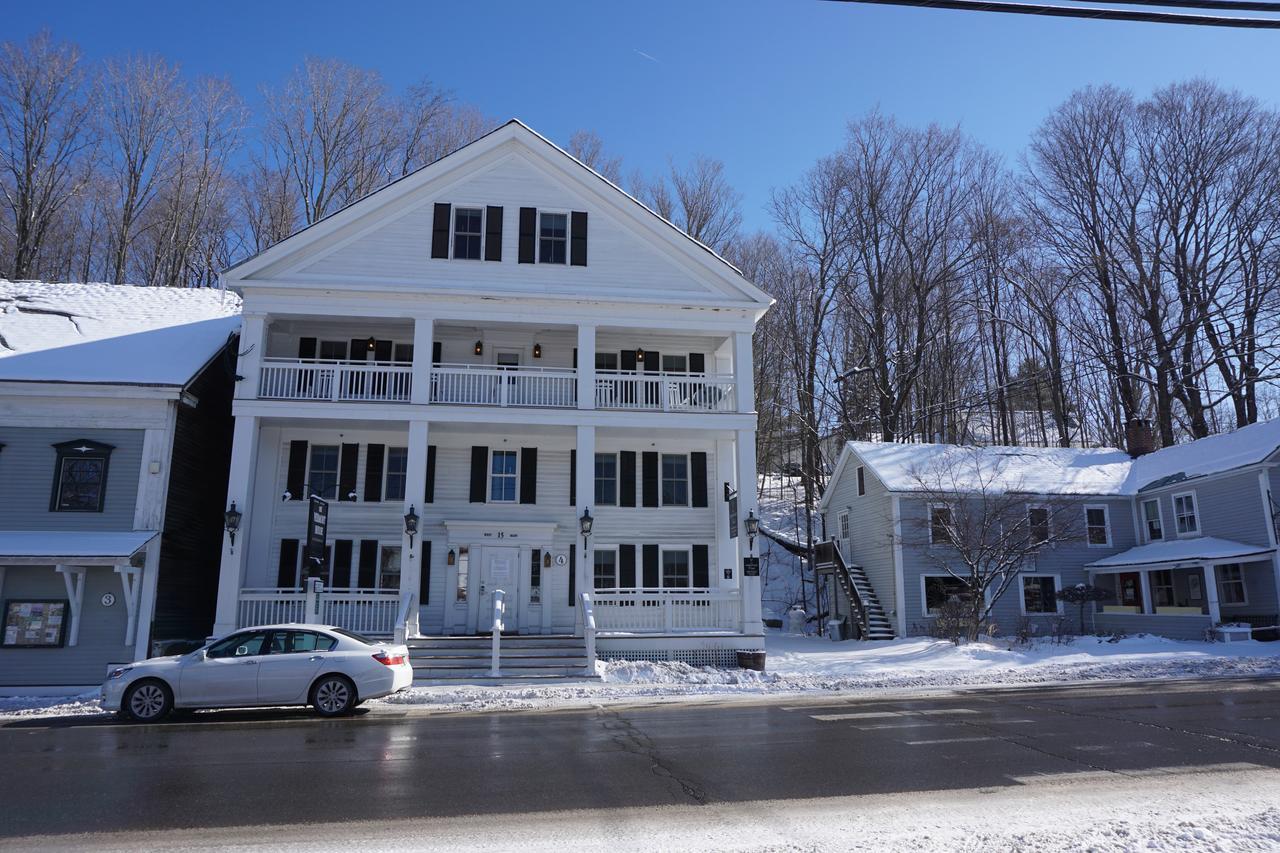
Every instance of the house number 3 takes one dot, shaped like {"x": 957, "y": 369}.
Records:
{"x": 108, "y": 599}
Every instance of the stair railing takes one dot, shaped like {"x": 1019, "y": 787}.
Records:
{"x": 402, "y": 620}
{"x": 589, "y": 632}
{"x": 827, "y": 554}
{"x": 499, "y": 611}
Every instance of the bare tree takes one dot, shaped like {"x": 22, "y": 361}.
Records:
{"x": 588, "y": 147}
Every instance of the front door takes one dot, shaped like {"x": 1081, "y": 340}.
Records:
{"x": 499, "y": 571}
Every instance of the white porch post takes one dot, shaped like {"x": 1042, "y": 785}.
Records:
{"x": 585, "y": 487}
{"x": 253, "y": 342}
{"x": 423, "y": 346}
{"x": 244, "y": 454}
{"x": 745, "y": 447}
{"x": 1264, "y": 486}
{"x": 586, "y": 368}
{"x": 129, "y": 577}
{"x": 726, "y": 548}
{"x": 743, "y": 380}
{"x": 73, "y": 577}
{"x": 1211, "y": 592}
{"x": 415, "y": 488}
{"x": 1144, "y": 578}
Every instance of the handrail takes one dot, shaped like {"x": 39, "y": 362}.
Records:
{"x": 499, "y": 610}
{"x": 273, "y": 359}
{"x": 589, "y": 632}
{"x": 504, "y": 369}
{"x": 402, "y": 618}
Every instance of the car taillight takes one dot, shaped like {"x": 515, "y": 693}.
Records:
{"x": 389, "y": 660}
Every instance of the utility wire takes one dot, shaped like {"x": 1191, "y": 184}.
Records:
{"x": 1215, "y": 5}
{"x": 1091, "y": 12}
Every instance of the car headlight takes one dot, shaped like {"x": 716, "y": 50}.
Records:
{"x": 119, "y": 672}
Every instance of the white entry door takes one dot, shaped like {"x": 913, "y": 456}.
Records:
{"x": 499, "y": 570}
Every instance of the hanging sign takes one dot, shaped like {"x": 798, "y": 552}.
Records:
{"x": 317, "y": 537}
{"x": 751, "y": 567}
{"x": 731, "y": 498}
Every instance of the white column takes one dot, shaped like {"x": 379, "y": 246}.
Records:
{"x": 147, "y": 598}
{"x": 244, "y": 454}
{"x": 73, "y": 577}
{"x": 253, "y": 344}
{"x": 745, "y": 448}
{"x": 1264, "y": 486}
{"x": 743, "y": 375}
{"x": 585, "y": 487}
{"x": 1144, "y": 579}
{"x": 415, "y": 487}
{"x": 726, "y": 548}
{"x": 423, "y": 345}
{"x": 1211, "y": 590}
{"x": 586, "y": 368}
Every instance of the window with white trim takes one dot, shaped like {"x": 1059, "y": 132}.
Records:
{"x": 553, "y": 237}
{"x": 503, "y": 465}
{"x": 605, "y": 562}
{"x": 1231, "y": 589}
{"x": 940, "y": 589}
{"x": 1097, "y": 522}
{"x": 862, "y": 481}
{"x": 1038, "y": 524}
{"x": 675, "y": 479}
{"x": 464, "y": 573}
{"x": 389, "y": 567}
{"x": 676, "y": 568}
{"x": 844, "y": 525}
{"x": 606, "y": 479}
{"x": 80, "y": 476}
{"x": 675, "y": 363}
{"x": 333, "y": 350}
{"x": 939, "y": 525}
{"x": 322, "y": 472}
{"x": 1039, "y": 594}
{"x": 397, "y": 473}
{"x": 1162, "y": 589}
{"x": 1185, "y": 519}
{"x": 1152, "y": 520}
{"x": 468, "y": 232}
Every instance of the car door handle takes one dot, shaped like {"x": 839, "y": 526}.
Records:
{"x": 316, "y": 657}
{"x": 250, "y": 662}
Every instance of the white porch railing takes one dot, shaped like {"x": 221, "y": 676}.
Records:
{"x": 337, "y": 381}
{"x": 589, "y": 629}
{"x": 665, "y": 392}
{"x": 365, "y": 611}
{"x": 666, "y": 611}
{"x": 488, "y": 385}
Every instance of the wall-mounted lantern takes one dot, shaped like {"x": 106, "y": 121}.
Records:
{"x": 537, "y": 350}
{"x": 231, "y": 521}
{"x": 479, "y": 348}
{"x": 753, "y": 527}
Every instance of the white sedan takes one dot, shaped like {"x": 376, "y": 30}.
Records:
{"x": 329, "y": 668}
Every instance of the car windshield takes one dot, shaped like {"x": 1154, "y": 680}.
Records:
{"x": 360, "y": 638}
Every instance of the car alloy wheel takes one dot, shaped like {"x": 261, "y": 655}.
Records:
{"x": 334, "y": 696}
{"x": 148, "y": 702}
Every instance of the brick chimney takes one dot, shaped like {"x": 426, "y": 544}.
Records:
{"x": 1138, "y": 437}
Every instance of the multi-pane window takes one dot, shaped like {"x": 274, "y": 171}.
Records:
{"x": 862, "y": 481}
{"x": 468, "y": 225}
{"x": 80, "y": 477}
{"x": 675, "y": 479}
{"x": 606, "y": 361}
{"x": 1038, "y": 524}
{"x": 1151, "y": 517}
{"x": 389, "y": 567}
{"x": 844, "y": 526}
{"x": 322, "y": 475}
{"x": 940, "y": 589}
{"x": 675, "y": 569}
{"x": 333, "y": 350}
{"x": 464, "y": 574}
{"x": 1184, "y": 513}
{"x": 606, "y": 479}
{"x": 1162, "y": 592}
{"x": 606, "y": 568}
{"x": 535, "y": 577}
{"x": 397, "y": 473}
{"x": 1039, "y": 594}
{"x": 502, "y": 476}
{"x": 553, "y": 237}
{"x": 940, "y": 525}
{"x": 675, "y": 364}
{"x": 1097, "y": 531}
{"x": 1231, "y": 584}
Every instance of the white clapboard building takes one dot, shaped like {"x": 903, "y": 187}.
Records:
{"x": 525, "y": 398}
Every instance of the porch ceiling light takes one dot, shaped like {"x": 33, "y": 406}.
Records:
{"x": 370, "y": 344}
{"x": 753, "y": 527}
{"x": 231, "y": 521}
{"x": 639, "y": 355}
{"x": 537, "y": 350}
{"x": 411, "y": 524}
{"x": 479, "y": 348}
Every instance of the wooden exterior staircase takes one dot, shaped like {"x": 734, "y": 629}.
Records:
{"x": 872, "y": 622}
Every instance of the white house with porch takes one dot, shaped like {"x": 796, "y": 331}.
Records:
{"x": 527, "y": 403}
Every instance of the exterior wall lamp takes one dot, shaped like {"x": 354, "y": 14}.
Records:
{"x": 584, "y": 526}
{"x": 479, "y": 348}
{"x": 537, "y": 350}
{"x": 370, "y": 344}
{"x": 753, "y": 527}
{"x": 231, "y": 521}
{"x": 639, "y": 355}
{"x": 411, "y": 525}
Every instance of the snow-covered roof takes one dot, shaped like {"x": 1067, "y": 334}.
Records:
{"x": 1181, "y": 551}
{"x": 1214, "y": 454}
{"x": 92, "y": 546}
{"x": 111, "y": 334}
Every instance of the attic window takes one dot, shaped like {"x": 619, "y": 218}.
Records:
{"x": 553, "y": 237}
{"x": 80, "y": 476}
{"x": 468, "y": 230}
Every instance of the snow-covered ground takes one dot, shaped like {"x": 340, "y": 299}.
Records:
{"x": 800, "y": 665}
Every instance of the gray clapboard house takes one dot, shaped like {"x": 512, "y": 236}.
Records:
{"x": 115, "y": 435}
{"x": 1183, "y": 538}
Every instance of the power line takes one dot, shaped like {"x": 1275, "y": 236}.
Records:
{"x": 1217, "y": 5}
{"x": 1091, "y": 12}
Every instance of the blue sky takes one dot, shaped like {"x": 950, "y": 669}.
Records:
{"x": 765, "y": 86}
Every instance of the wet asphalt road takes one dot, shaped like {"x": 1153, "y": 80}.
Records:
{"x": 269, "y": 768}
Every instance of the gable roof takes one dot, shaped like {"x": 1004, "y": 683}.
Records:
{"x": 111, "y": 334}
{"x": 1213, "y": 454}
{"x": 535, "y": 143}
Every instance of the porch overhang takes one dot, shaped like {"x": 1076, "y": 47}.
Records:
{"x": 73, "y": 548}
{"x": 1180, "y": 552}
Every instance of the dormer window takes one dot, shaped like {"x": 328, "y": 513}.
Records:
{"x": 553, "y": 238}
{"x": 468, "y": 232}
{"x": 80, "y": 476}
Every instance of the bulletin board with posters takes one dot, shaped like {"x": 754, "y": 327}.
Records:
{"x": 35, "y": 624}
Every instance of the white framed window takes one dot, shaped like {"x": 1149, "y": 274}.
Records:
{"x": 1231, "y": 588}
{"x": 1097, "y": 524}
{"x": 389, "y": 567}
{"x": 503, "y": 468}
{"x": 333, "y": 350}
{"x": 468, "y": 232}
{"x": 936, "y": 590}
{"x": 1163, "y": 593}
{"x": 1153, "y": 520}
{"x": 843, "y": 521}
{"x": 675, "y": 479}
{"x": 676, "y": 567}
{"x": 553, "y": 237}
{"x": 1185, "y": 518}
{"x": 939, "y": 524}
{"x": 322, "y": 471}
{"x": 675, "y": 363}
{"x": 606, "y": 361}
{"x": 862, "y": 481}
{"x": 462, "y": 580}
{"x": 1040, "y": 594}
{"x": 397, "y": 473}
{"x": 1038, "y": 524}
{"x": 606, "y": 479}
{"x": 605, "y": 564}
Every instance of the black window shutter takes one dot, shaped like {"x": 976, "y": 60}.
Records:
{"x": 573, "y": 574}
{"x": 627, "y": 359}
{"x": 698, "y": 462}
{"x": 342, "y": 562}
{"x": 578, "y": 238}
{"x": 435, "y": 352}
{"x": 697, "y": 362}
{"x": 652, "y": 361}
{"x": 479, "y": 473}
{"x": 287, "y": 574}
{"x": 627, "y": 478}
{"x": 573, "y": 478}
{"x": 650, "y": 566}
{"x": 360, "y": 349}
{"x": 440, "y": 232}
{"x": 382, "y": 350}
{"x": 306, "y": 347}
{"x": 528, "y": 234}
{"x": 649, "y": 478}
{"x": 424, "y": 579}
{"x": 373, "y": 472}
{"x": 368, "y": 563}
{"x": 701, "y": 567}
{"x": 627, "y": 566}
{"x": 296, "y": 480}
{"x": 493, "y": 233}
{"x": 347, "y": 461}
{"x": 528, "y": 475}
{"x": 430, "y": 496}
